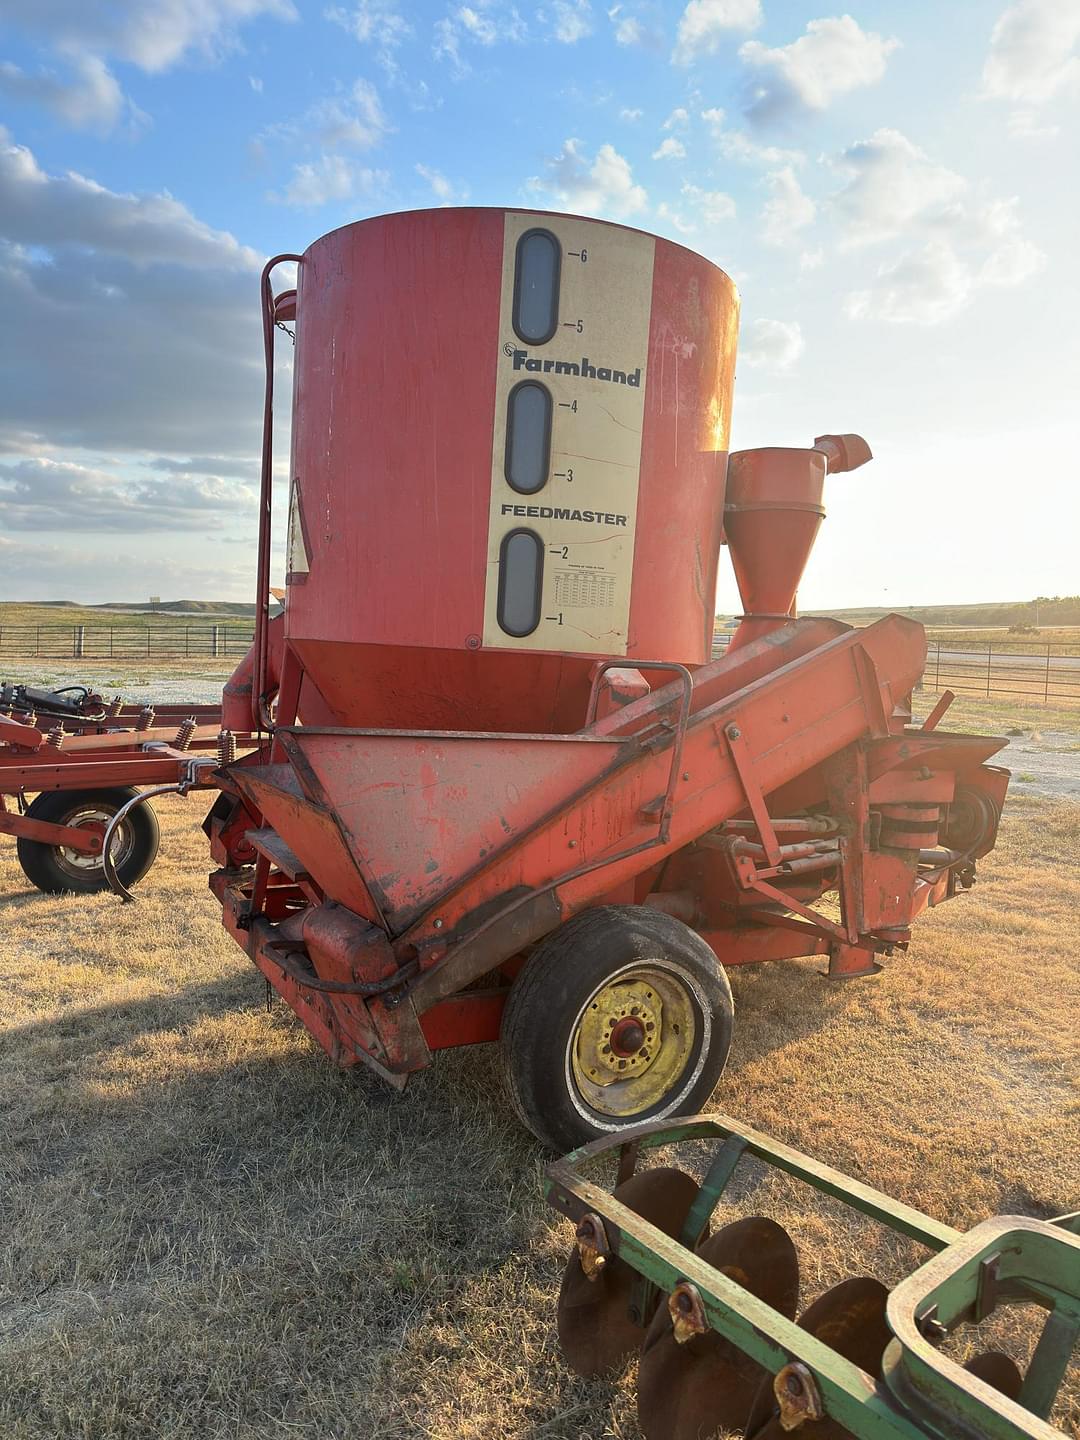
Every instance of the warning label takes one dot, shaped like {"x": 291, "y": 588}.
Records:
{"x": 591, "y": 588}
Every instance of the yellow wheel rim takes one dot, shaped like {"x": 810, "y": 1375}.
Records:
{"x": 633, "y": 1040}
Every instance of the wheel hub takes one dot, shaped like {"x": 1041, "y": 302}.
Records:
{"x": 627, "y": 1036}
{"x": 96, "y": 822}
{"x": 620, "y": 1032}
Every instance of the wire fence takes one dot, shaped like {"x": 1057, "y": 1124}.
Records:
{"x": 1044, "y": 674}
{"x": 125, "y": 642}
{"x": 1041, "y": 674}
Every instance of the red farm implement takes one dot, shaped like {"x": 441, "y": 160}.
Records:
{"x": 499, "y": 789}
{"x": 83, "y": 759}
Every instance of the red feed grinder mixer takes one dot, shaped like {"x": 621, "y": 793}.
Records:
{"x": 502, "y": 790}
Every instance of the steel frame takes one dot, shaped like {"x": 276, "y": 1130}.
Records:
{"x": 922, "y": 1392}
{"x": 117, "y": 752}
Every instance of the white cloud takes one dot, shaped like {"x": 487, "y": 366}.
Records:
{"x": 675, "y": 218}
{"x": 255, "y": 81}
{"x": 923, "y": 287}
{"x": 935, "y": 282}
{"x": 90, "y": 99}
{"x": 46, "y": 211}
{"x": 669, "y": 149}
{"x": 45, "y": 494}
{"x": 811, "y": 260}
{"x": 1011, "y": 263}
{"x": 706, "y": 24}
{"x": 630, "y": 30}
{"x": 677, "y": 120}
{"x": 83, "y": 36}
{"x": 441, "y": 187}
{"x": 713, "y": 206}
{"x": 381, "y": 25}
{"x": 736, "y": 145}
{"x": 773, "y": 345}
{"x": 630, "y": 115}
{"x": 353, "y": 121}
{"x": 152, "y": 36}
{"x": 49, "y": 571}
{"x": 572, "y": 20}
{"x": 133, "y": 322}
{"x": 485, "y": 26}
{"x": 892, "y": 184}
{"x": 604, "y": 187}
{"x": 834, "y": 56}
{"x": 1024, "y": 126}
{"x": 963, "y": 241}
{"x": 372, "y": 22}
{"x": 331, "y": 177}
{"x": 480, "y": 27}
{"x": 1033, "y": 51}
{"x": 788, "y": 209}
{"x": 356, "y": 120}
{"x": 701, "y": 207}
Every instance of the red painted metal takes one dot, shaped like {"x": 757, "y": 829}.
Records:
{"x": 427, "y": 340}
{"x": 433, "y": 796}
{"x": 83, "y": 754}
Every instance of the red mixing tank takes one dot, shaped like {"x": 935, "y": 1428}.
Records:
{"x": 509, "y": 451}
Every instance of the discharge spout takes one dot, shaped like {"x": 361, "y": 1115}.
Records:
{"x": 772, "y": 513}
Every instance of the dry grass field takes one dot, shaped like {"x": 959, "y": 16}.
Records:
{"x": 1062, "y": 639}
{"x": 209, "y": 1232}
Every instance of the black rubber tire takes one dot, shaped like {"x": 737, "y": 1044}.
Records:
{"x": 44, "y": 867}
{"x": 548, "y": 999}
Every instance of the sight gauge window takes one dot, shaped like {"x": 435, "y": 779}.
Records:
{"x": 536, "y": 287}
{"x": 521, "y": 574}
{"x": 528, "y": 437}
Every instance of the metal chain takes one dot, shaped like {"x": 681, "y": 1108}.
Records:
{"x": 280, "y": 324}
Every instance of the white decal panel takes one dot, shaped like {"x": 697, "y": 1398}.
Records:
{"x": 584, "y": 510}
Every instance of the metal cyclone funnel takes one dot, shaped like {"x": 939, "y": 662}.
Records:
{"x": 771, "y": 518}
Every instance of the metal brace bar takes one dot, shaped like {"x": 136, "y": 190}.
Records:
{"x": 744, "y": 768}
{"x": 797, "y": 907}
{"x": 1049, "y": 1363}
{"x": 712, "y": 1187}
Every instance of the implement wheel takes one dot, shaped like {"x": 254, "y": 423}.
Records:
{"x": 621, "y": 1015}
{"x": 58, "y": 868}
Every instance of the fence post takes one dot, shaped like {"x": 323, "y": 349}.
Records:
{"x": 80, "y": 641}
{"x": 215, "y": 640}
{"x": 989, "y": 652}
{"x": 1046, "y": 687}
{"x": 111, "y": 630}
{"x": 937, "y": 667}
{"x": 148, "y": 642}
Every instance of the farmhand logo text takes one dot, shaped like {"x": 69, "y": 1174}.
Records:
{"x": 524, "y": 361}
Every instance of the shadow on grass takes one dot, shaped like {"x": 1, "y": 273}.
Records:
{"x": 206, "y": 1221}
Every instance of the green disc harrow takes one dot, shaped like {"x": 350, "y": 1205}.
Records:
{"x": 712, "y": 1311}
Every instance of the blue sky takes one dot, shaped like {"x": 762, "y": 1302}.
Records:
{"x": 892, "y": 187}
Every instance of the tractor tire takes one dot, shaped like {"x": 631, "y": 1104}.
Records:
{"x": 57, "y": 870}
{"x": 622, "y": 1015}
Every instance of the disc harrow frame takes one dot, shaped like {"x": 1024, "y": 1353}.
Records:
{"x": 922, "y": 1392}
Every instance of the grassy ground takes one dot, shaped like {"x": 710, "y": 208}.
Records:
{"x": 209, "y": 1232}
{"x": 29, "y": 612}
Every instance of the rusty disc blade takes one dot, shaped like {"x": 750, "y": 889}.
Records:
{"x": 997, "y": 1370}
{"x": 850, "y": 1319}
{"x": 596, "y": 1328}
{"x": 705, "y": 1384}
